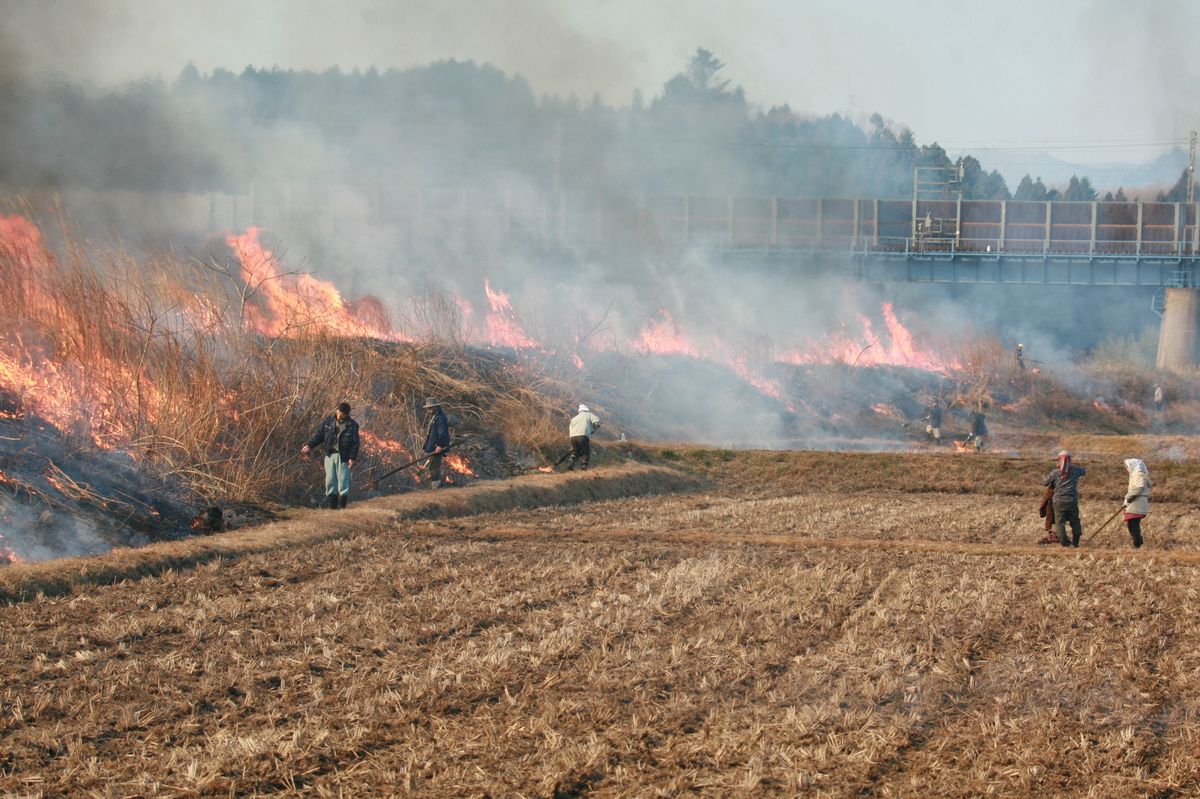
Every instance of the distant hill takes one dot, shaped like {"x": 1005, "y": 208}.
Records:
{"x": 1162, "y": 172}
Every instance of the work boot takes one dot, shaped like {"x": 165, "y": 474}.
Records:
{"x": 331, "y": 501}
{"x": 342, "y": 500}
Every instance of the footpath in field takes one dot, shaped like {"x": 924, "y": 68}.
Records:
{"x": 300, "y": 528}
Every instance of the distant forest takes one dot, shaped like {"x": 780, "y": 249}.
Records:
{"x": 462, "y": 124}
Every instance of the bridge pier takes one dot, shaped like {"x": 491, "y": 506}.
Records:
{"x": 1177, "y": 343}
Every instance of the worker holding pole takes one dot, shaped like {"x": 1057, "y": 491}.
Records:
{"x": 1137, "y": 498}
{"x": 437, "y": 440}
{"x": 583, "y": 424}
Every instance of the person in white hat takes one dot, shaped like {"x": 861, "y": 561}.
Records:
{"x": 583, "y": 424}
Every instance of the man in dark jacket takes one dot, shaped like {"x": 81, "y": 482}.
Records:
{"x": 436, "y": 440}
{"x": 979, "y": 431}
{"x": 338, "y": 439}
{"x": 1065, "y": 500}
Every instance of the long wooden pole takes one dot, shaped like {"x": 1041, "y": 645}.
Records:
{"x": 1110, "y": 518}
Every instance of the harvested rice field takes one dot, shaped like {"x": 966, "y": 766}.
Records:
{"x": 729, "y": 624}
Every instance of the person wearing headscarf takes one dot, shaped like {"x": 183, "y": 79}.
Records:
{"x": 583, "y": 424}
{"x": 1065, "y": 499}
{"x": 1137, "y": 498}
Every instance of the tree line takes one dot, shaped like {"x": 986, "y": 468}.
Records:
{"x": 462, "y": 124}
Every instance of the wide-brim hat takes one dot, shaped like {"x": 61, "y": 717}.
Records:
{"x": 432, "y": 402}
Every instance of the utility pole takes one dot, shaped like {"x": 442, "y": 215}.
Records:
{"x": 1191, "y": 166}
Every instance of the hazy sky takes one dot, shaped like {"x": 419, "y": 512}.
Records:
{"x": 1110, "y": 75}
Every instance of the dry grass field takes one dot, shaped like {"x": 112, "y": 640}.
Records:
{"x": 790, "y": 624}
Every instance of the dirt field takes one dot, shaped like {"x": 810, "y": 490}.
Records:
{"x": 814, "y": 624}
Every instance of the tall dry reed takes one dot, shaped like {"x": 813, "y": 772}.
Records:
{"x": 152, "y": 356}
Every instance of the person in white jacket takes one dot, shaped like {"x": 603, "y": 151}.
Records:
{"x": 1137, "y": 498}
{"x": 583, "y": 424}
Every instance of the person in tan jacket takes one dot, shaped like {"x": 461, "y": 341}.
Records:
{"x": 583, "y": 424}
{"x": 1137, "y": 498}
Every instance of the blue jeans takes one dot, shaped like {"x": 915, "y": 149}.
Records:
{"x": 337, "y": 475}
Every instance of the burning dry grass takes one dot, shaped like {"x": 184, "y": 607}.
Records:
{"x": 709, "y": 643}
{"x": 160, "y": 358}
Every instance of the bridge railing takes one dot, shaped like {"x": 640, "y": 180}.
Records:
{"x": 722, "y": 223}
{"x": 1022, "y": 247}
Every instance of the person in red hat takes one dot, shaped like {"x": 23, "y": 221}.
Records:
{"x": 1065, "y": 499}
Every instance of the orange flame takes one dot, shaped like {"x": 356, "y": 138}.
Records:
{"x": 770, "y": 388}
{"x": 501, "y": 326}
{"x": 457, "y": 463}
{"x": 664, "y": 337}
{"x": 285, "y": 304}
{"x": 899, "y": 348}
{"x": 23, "y": 240}
{"x": 70, "y": 398}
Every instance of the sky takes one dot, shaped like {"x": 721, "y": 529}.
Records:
{"x": 1089, "y": 80}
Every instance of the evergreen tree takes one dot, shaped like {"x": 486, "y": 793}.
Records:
{"x": 1029, "y": 189}
{"x": 1178, "y": 192}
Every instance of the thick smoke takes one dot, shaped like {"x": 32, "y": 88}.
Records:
{"x": 484, "y": 165}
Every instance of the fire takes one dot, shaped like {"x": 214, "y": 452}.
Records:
{"x": 7, "y": 556}
{"x": 23, "y": 240}
{"x": 288, "y": 304}
{"x": 457, "y": 463}
{"x": 385, "y": 447}
{"x": 664, "y": 337}
{"x": 547, "y": 469}
{"x": 871, "y": 349}
{"x": 501, "y": 326}
{"x": 70, "y": 396}
{"x": 768, "y": 387}
{"x": 388, "y": 451}
{"x": 885, "y": 409}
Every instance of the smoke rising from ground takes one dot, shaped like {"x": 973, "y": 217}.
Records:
{"x": 332, "y": 164}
